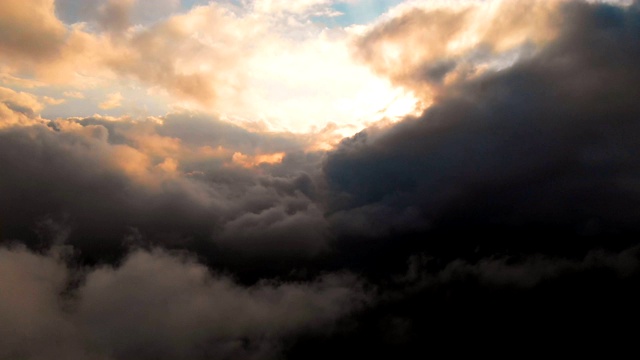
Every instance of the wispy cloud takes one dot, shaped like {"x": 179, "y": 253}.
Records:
{"x": 113, "y": 101}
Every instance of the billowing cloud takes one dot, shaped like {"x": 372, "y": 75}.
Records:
{"x": 30, "y": 32}
{"x": 262, "y": 64}
{"x": 544, "y": 144}
{"x": 422, "y": 47}
{"x": 18, "y": 108}
{"x": 512, "y": 200}
{"x": 177, "y": 180}
{"x": 157, "y": 305}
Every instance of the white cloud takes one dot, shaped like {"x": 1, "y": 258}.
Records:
{"x": 251, "y": 65}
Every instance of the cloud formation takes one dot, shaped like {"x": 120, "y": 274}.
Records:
{"x": 436, "y": 43}
{"x": 545, "y": 143}
{"x": 261, "y": 64}
{"x": 511, "y": 200}
{"x": 157, "y": 306}
{"x": 176, "y": 180}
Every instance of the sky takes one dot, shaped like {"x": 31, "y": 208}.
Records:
{"x": 270, "y": 179}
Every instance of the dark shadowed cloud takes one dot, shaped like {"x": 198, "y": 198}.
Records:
{"x": 546, "y": 144}
{"x": 511, "y": 203}
{"x": 110, "y": 180}
{"x": 157, "y": 305}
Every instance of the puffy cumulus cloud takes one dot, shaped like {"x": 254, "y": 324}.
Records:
{"x": 544, "y": 145}
{"x": 187, "y": 55}
{"x": 30, "y": 32}
{"x": 263, "y": 64}
{"x": 41, "y": 45}
{"x": 35, "y": 43}
{"x": 156, "y": 305}
{"x": 19, "y": 108}
{"x": 278, "y": 229}
{"x": 175, "y": 181}
{"x": 34, "y": 322}
{"x": 495, "y": 183}
{"x": 262, "y": 68}
{"x": 422, "y": 45}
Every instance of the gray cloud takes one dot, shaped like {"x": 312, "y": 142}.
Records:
{"x": 519, "y": 272}
{"x": 495, "y": 183}
{"x": 546, "y": 143}
{"x": 158, "y": 306}
{"x": 105, "y": 179}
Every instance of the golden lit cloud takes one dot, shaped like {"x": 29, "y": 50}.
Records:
{"x": 265, "y": 65}
{"x": 113, "y": 101}
{"x": 421, "y": 45}
{"x": 19, "y": 108}
{"x": 251, "y": 65}
{"x": 252, "y": 161}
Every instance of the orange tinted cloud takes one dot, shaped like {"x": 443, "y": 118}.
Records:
{"x": 249, "y": 161}
{"x": 18, "y": 108}
{"x": 421, "y": 47}
{"x": 30, "y": 31}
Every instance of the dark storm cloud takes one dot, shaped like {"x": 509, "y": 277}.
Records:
{"x": 496, "y": 305}
{"x": 547, "y": 144}
{"x": 518, "y": 272}
{"x": 109, "y": 182}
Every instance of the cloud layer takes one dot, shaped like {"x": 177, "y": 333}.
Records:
{"x": 511, "y": 200}
{"x": 156, "y": 306}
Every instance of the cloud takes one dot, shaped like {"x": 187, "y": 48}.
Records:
{"x": 174, "y": 181}
{"x": 114, "y": 15}
{"x": 494, "y": 302}
{"x": 18, "y": 108}
{"x": 514, "y": 195}
{"x": 424, "y": 45}
{"x": 262, "y": 64}
{"x": 11, "y": 80}
{"x": 113, "y": 101}
{"x": 521, "y": 273}
{"x": 543, "y": 145}
{"x": 157, "y": 305}
{"x": 40, "y": 45}
{"x": 37, "y": 45}
{"x": 511, "y": 149}
{"x": 30, "y": 32}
